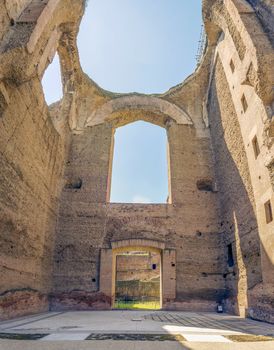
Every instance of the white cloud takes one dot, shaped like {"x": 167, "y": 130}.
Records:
{"x": 140, "y": 199}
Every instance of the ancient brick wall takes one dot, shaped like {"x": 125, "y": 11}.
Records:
{"x": 138, "y": 267}
{"x": 265, "y": 12}
{"x": 31, "y": 156}
{"x": 83, "y": 212}
{"x": 219, "y": 187}
{"x": 241, "y": 119}
{"x": 9, "y": 12}
{"x": 137, "y": 278}
{"x": 137, "y": 290}
{"x": 239, "y": 221}
{"x": 88, "y": 223}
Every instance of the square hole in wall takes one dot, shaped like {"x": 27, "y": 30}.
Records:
{"x": 74, "y": 183}
{"x": 268, "y": 212}
{"x": 232, "y": 66}
{"x": 205, "y": 185}
{"x": 256, "y": 147}
{"x": 244, "y": 103}
{"x": 230, "y": 258}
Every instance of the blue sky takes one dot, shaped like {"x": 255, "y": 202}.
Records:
{"x": 144, "y": 46}
{"x": 140, "y": 153}
{"x": 139, "y": 45}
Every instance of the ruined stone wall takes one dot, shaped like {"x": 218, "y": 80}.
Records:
{"x": 138, "y": 267}
{"x": 88, "y": 223}
{"x": 236, "y": 194}
{"x": 240, "y": 116}
{"x": 137, "y": 290}
{"x": 237, "y": 105}
{"x": 31, "y": 156}
{"x": 136, "y": 278}
{"x": 9, "y": 12}
{"x": 218, "y": 188}
{"x": 83, "y": 212}
{"x": 265, "y": 13}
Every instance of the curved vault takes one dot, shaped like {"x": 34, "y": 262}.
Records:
{"x": 137, "y": 102}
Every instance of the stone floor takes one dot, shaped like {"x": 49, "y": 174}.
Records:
{"x": 126, "y": 329}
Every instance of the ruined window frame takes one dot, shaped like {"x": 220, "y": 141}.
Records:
{"x": 110, "y": 170}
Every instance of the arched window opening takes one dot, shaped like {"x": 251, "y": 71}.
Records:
{"x": 140, "y": 164}
{"x": 144, "y": 46}
{"x": 52, "y": 82}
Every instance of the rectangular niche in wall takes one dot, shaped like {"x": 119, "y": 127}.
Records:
{"x": 268, "y": 212}
{"x": 232, "y": 66}
{"x": 256, "y": 147}
{"x": 230, "y": 258}
{"x": 244, "y": 103}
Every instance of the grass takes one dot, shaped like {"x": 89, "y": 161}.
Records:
{"x": 138, "y": 305}
{"x": 137, "y": 337}
{"x": 241, "y": 338}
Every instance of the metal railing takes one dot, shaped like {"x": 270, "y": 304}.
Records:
{"x": 201, "y": 45}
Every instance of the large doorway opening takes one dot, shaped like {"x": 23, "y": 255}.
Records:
{"x": 138, "y": 279}
{"x": 167, "y": 267}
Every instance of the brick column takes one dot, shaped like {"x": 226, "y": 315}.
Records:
{"x": 106, "y": 272}
{"x": 168, "y": 276}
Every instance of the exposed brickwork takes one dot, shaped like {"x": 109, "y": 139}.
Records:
{"x": 9, "y": 12}
{"x": 265, "y": 12}
{"x": 97, "y": 224}
{"x": 59, "y": 234}
{"x": 78, "y": 300}
{"x": 31, "y": 161}
{"x": 237, "y": 199}
{"x": 138, "y": 267}
{"x": 20, "y": 302}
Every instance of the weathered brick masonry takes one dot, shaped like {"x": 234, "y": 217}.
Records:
{"x": 59, "y": 235}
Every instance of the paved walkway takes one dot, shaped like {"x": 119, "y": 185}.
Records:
{"x": 135, "y": 329}
{"x": 120, "y": 345}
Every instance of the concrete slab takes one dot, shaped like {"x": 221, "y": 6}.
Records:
{"x": 206, "y": 338}
{"x": 65, "y": 336}
{"x": 128, "y": 345}
{"x": 73, "y": 326}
